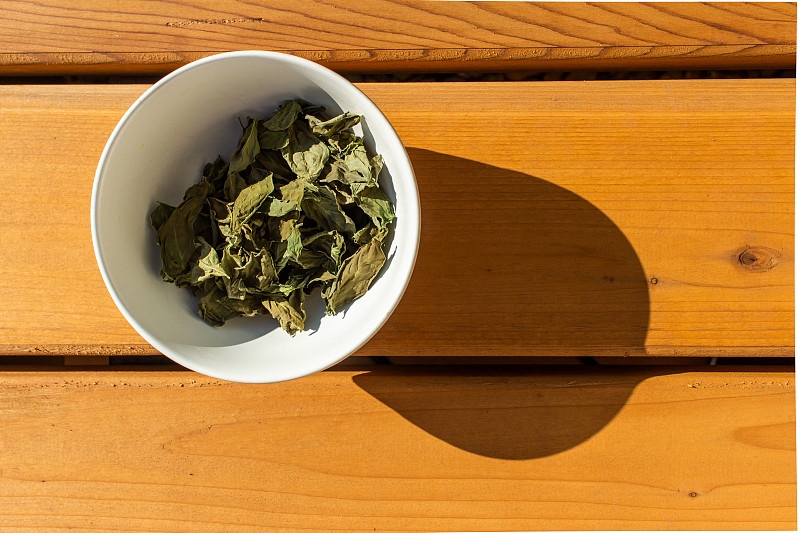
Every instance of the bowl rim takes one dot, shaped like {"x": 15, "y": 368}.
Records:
{"x": 413, "y": 225}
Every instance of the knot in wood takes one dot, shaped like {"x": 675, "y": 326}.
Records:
{"x": 758, "y": 259}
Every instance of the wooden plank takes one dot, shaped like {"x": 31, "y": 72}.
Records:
{"x": 130, "y": 37}
{"x": 425, "y": 450}
{"x": 559, "y": 219}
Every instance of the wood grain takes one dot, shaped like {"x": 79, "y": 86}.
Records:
{"x": 128, "y": 36}
{"x": 424, "y": 450}
{"x": 559, "y": 219}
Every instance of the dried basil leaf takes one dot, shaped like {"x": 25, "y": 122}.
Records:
{"x": 345, "y": 121}
{"x": 365, "y": 234}
{"x": 294, "y": 245}
{"x": 305, "y": 153}
{"x": 376, "y": 165}
{"x": 216, "y": 173}
{"x": 284, "y": 117}
{"x": 248, "y": 201}
{"x": 273, "y": 140}
{"x": 273, "y": 161}
{"x": 231, "y": 263}
{"x": 357, "y": 160}
{"x": 319, "y": 203}
{"x": 247, "y": 150}
{"x": 209, "y": 265}
{"x": 288, "y": 312}
{"x": 248, "y": 306}
{"x": 294, "y": 191}
{"x": 341, "y": 172}
{"x": 234, "y": 184}
{"x": 374, "y": 203}
{"x": 344, "y": 142}
{"x": 215, "y": 308}
{"x": 212, "y": 308}
{"x": 311, "y": 109}
{"x": 355, "y": 275}
{"x": 279, "y": 208}
{"x": 321, "y": 279}
{"x": 330, "y": 243}
{"x": 160, "y": 215}
{"x": 268, "y": 274}
{"x": 175, "y": 236}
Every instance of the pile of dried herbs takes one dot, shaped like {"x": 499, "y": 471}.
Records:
{"x": 297, "y": 208}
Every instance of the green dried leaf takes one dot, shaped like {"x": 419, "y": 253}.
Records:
{"x": 234, "y": 184}
{"x": 232, "y": 262}
{"x": 322, "y": 278}
{"x": 284, "y": 117}
{"x": 329, "y": 243}
{"x": 215, "y": 308}
{"x": 294, "y": 191}
{"x": 273, "y": 140}
{"x": 365, "y": 234}
{"x": 160, "y": 215}
{"x": 357, "y": 160}
{"x": 343, "y": 142}
{"x": 281, "y": 228}
{"x": 209, "y": 265}
{"x": 175, "y": 236}
{"x": 212, "y": 308}
{"x": 273, "y": 161}
{"x": 319, "y": 204}
{"x": 305, "y": 153}
{"x": 294, "y": 245}
{"x": 220, "y": 209}
{"x": 289, "y": 312}
{"x": 355, "y": 276}
{"x": 248, "y": 201}
{"x": 345, "y": 121}
{"x": 247, "y": 306}
{"x": 376, "y": 165}
{"x": 341, "y": 172}
{"x": 247, "y": 150}
{"x": 216, "y": 173}
{"x": 374, "y": 203}
{"x": 280, "y": 208}
{"x": 256, "y": 174}
{"x": 310, "y": 259}
{"x": 269, "y": 272}
{"x": 309, "y": 108}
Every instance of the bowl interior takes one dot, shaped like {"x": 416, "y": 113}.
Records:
{"x": 158, "y": 150}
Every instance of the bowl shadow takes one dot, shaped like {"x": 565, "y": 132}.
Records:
{"x": 504, "y": 412}
{"x": 511, "y": 264}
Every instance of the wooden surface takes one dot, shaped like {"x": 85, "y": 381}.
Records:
{"x": 128, "y": 36}
{"x": 425, "y": 450}
{"x": 558, "y": 218}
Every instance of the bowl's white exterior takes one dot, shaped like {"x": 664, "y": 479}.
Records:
{"x": 159, "y": 148}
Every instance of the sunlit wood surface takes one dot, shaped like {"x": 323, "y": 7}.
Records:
{"x": 130, "y": 37}
{"x": 420, "y": 449}
{"x": 558, "y": 218}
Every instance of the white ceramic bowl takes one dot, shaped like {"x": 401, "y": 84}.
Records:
{"x": 159, "y": 148}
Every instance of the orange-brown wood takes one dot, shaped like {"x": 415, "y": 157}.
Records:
{"x": 127, "y": 36}
{"x": 558, "y": 219}
{"x": 411, "y": 450}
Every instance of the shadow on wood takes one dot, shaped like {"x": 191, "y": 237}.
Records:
{"x": 511, "y": 412}
{"x": 510, "y": 264}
